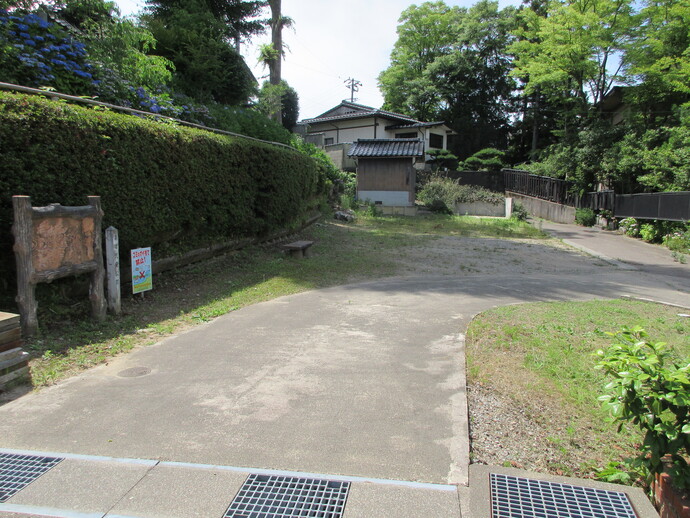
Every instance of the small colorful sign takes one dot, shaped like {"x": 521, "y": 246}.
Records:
{"x": 142, "y": 277}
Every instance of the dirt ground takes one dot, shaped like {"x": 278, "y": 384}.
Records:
{"x": 460, "y": 256}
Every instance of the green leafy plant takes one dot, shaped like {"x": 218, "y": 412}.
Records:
{"x": 519, "y": 211}
{"x": 440, "y": 194}
{"x": 626, "y": 473}
{"x": 39, "y": 53}
{"x": 488, "y": 159}
{"x": 648, "y": 232}
{"x": 652, "y": 392}
{"x": 442, "y": 158}
{"x": 585, "y": 217}
{"x": 630, "y": 227}
{"x": 678, "y": 240}
{"x": 681, "y": 258}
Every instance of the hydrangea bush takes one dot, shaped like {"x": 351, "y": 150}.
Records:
{"x": 39, "y": 53}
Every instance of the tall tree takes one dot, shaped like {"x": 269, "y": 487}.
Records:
{"x": 476, "y": 93}
{"x": 658, "y": 57}
{"x": 238, "y": 16}
{"x": 272, "y": 54}
{"x": 207, "y": 65}
{"x": 572, "y": 49}
{"x": 451, "y": 64}
{"x": 425, "y": 33}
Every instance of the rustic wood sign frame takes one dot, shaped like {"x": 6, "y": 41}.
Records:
{"x": 53, "y": 242}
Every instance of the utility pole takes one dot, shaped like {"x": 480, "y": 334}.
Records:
{"x": 353, "y": 85}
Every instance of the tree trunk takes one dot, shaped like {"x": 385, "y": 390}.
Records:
{"x": 274, "y": 66}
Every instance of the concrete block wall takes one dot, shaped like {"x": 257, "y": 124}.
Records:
{"x": 14, "y": 361}
{"x": 545, "y": 209}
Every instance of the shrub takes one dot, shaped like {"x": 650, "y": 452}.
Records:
{"x": 585, "y": 217}
{"x": 652, "y": 392}
{"x": 160, "y": 184}
{"x": 441, "y": 194}
{"x": 488, "y": 159}
{"x": 38, "y": 53}
{"x": 519, "y": 211}
{"x": 630, "y": 227}
{"x": 678, "y": 240}
{"x": 648, "y": 232}
{"x": 442, "y": 158}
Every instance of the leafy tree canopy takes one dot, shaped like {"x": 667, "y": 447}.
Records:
{"x": 207, "y": 66}
{"x": 451, "y": 64}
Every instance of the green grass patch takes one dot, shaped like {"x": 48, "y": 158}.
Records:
{"x": 69, "y": 341}
{"x": 453, "y": 225}
{"x": 541, "y": 355}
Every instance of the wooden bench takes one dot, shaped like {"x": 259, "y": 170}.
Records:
{"x": 298, "y": 248}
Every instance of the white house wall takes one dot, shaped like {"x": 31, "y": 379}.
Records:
{"x": 386, "y": 198}
{"x": 351, "y": 130}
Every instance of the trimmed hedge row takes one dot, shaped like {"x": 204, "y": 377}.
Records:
{"x": 159, "y": 183}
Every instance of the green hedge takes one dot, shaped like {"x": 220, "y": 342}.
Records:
{"x": 160, "y": 184}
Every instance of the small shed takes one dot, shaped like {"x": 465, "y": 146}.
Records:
{"x": 385, "y": 170}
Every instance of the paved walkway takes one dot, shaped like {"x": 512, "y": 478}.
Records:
{"x": 364, "y": 382}
{"x": 621, "y": 250}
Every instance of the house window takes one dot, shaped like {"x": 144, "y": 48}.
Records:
{"x": 406, "y": 135}
{"x": 328, "y": 141}
{"x": 436, "y": 140}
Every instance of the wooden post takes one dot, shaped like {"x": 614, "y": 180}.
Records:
{"x": 112, "y": 269}
{"x": 22, "y": 229}
{"x": 96, "y": 292}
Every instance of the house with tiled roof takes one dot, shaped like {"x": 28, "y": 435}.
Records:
{"x": 338, "y": 128}
{"x": 386, "y": 172}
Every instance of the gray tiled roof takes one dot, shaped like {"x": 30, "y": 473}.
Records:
{"x": 387, "y": 148}
{"x": 415, "y": 125}
{"x": 360, "y": 111}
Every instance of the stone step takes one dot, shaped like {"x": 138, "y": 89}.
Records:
{"x": 5, "y": 379}
{"x": 10, "y": 335}
{"x": 8, "y": 321}
{"x": 11, "y": 345}
{"x": 12, "y": 360}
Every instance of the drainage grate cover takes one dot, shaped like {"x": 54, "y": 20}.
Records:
{"x": 516, "y": 497}
{"x": 18, "y": 471}
{"x": 272, "y": 496}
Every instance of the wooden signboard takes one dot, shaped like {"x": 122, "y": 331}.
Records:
{"x": 53, "y": 242}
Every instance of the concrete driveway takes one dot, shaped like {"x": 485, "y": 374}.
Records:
{"x": 362, "y": 380}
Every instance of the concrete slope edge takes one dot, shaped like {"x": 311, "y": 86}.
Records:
{"x": 239, "y": 469}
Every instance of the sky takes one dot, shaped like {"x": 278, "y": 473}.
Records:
{"x": 330, "y": 42}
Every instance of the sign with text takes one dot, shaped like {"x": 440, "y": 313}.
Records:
{"x": 142, "y": 278}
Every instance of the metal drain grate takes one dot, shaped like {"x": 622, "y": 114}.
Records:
{"x": 272, "y": 496}
{"x": 515, "y": 497}
{"x": 18, "y": 471}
